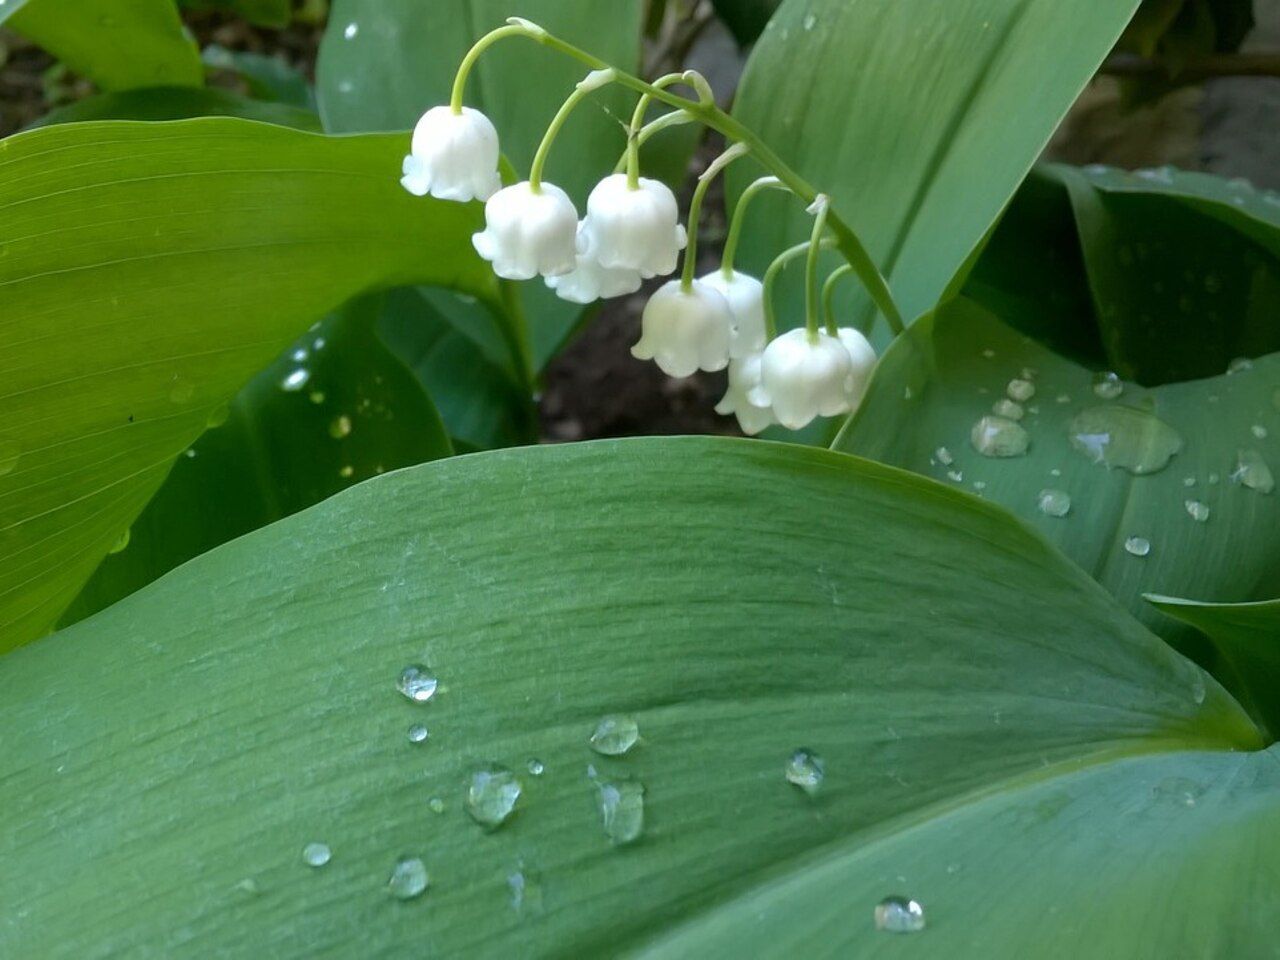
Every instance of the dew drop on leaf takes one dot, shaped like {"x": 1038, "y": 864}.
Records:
{"x": 1021, "y": 390}
{"x": 1252, "y": 471}
{"x": 316, "y": 854}
{"x": 806, "y": 770}
{"x": 295, "y": 380}
{"x": 1197, "y": 511}
{"x": 1054, "y": 503}
{"x": 418, "y": 733}
{"x": 1239, "y": 365}
{"x": 1008, "y": 409}
{"x": 943, "y": 456}
{"x": 1124, "y": 437}
{"x": 614, "y": 735}
{"x": 622, "y": 810}
{"x": 416, "y": 683}
{"x": 999, "y": 437}
{"x": 491, "y": 795}
{"x": 536, "y": 768}
{"x": 1107, "y": 386}
{"x": 899, "y": 915}
{"x": 1137, "y": 546}
{"x": 408, "y": 878}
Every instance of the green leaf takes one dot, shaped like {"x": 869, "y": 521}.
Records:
{"x": 383, "y": 63}
{"x": 746, "y": 19}
{"x": 919, "y": 119}
{"x": 933, "y": 385}
{"x": 265, "y": 13}
{"x": 1184, "y": 268}
{"x": 1246, "y": 638}
{"x": 268, "y": 77}
{"x": 179, "y": 103}
{"x": 145, "y": 284}
{"x": 335, "y": 408}
{"x": 977, "y": 701}
{"x": 118, "y": 44}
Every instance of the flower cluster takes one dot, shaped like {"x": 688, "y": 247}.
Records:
{"x": 631, "y": 232}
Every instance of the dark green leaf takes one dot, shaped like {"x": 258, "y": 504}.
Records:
{"x": 179, "y": 103}
{"x": 266, "y": 13}
{"x": 977, "y": 700}
{"x": 145, "y": 286}
{"x": 268, "y": 77}
{"x": 746, "y": 18}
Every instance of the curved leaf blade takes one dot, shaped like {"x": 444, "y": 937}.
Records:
{"x": 947, "y": 660}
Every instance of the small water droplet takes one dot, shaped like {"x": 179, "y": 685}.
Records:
{"x": 1213, "y": 479}
{"x": 1020, "y": 390}
{"x": 300, "y": 355}
{"x": 989, "y": 354}
{"x": 536, "y": 767}
{"x": 418, "y": 733}
{"x": 1239, "y": 365}
{"x": 1259, "y": 431}
{"x": 955, "y": 475}
{"x": 316, "y": 397}
{"x": 1107, "y": 386}
{"x": 526, "y": 889}
{"x": 436, "y": 805}
{"x": 408, "y": 878}
{"x": 295, "y": 380}
{"x": 614, "y": 735}
{"x": 806, "y": 770}
{"x": 217, "y": 416}
{"x": 622, "y": 810}
{"x": 491, "y": 795}
{"x": 944, "y": 457}
{"x": 316, "y": 854}
{"x": 248, "y": 885}
{"x": 810, "y": 21}
{"x": 351, "y": 31}
{"x": 1196, "y": 510}
{"x": 416, "y": 683}
{"x": 899, "y": 915}
{"x": 1188, "y": 481}
{"x": 999, "y": 437}
{"x": 1138, "y": 546}
{"x": 1054, "y": 503}
{"x": 1252, "y": 471}
{"x": 122, "y": 541}
{"x": 10, "y": 454}
{"x": 340, "y": 427}
{"x": 1008, "y": 409}
{"x": 979, "y": 484}
{"x": 1125, "y": 437}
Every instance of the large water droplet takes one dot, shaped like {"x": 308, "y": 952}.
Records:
{"x": 295, "y": 380}
{"x": 622, "y": 810}
{"x": 1008, "y": 409}
{"x": 1020, "y": 390}
{"x": 1107, "y": 386}
{"x": 408, "y": 878}
{"x": 999, "y": 437}
{"x": 806, "y": 770}
{"x": 1054, "y": 503}
{"x": 122, "y": 541}
{"x": 899, "y": 915}
{"x": 1124, "y": 437}
{"x": 418, "y": 733}
{"x": 492, "y": 795}
{"x": 417, "y": 683}
{"x": 1252, "y": 471}
{"x": 614, "y": 735}
{"x": 1198, "y": 511}
{"x": 1138, "y": 546}
{"x": 316, "y": 854}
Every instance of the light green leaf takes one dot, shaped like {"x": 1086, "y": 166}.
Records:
{"x": 335, "y": 408}
{"x": 917, "y": 117}
{"x": 118, "y": 44}
{"x": 1209, "y": 533}
{"x": 179, "y": 103}
{"x": 1246, "y": 638}
{"x": 974, "y": 697}
{"x": 145, "y": 284}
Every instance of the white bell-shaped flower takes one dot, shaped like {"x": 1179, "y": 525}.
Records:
{"x": 633, "y": 229}
{"x": 528, "y": 233}
{"x": 454, "y": 156}
{"x": 685, "y": 331}
{"x": 744, "y": 376}
{"x": 804, "y": 376}
{"x": 590, "y": 282}
{"x": 862, "y": 355}
{"x": 746, "y": 298}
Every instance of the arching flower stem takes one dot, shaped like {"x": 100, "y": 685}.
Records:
{"x": 695, "y": 209}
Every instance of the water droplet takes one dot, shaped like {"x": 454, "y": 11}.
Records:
{"x": 1252, "y": 471}
{"x": 408, "y": 878}
{"x": 622, "y": 810}
{"x": 1107, "y": 386}
{"x": 300, "y": 355}
{"x": 436, "y": 805}
{"x": 944, "y": 457}
{"x": 1198, "y": 511}
{"x": 955, "y": 475}
{"x": 526, "y": 889}
{"x": 492, "y": 795}
{"x": 340, "y": 427}
{"x": 989, "y": 354}
{"x": 1259, "y": 431}
{"x": 10, "y": 454}
{"x": 418, "y": 733}
{"x": 1213, "y": 479}
{"x": 1239, "y": 365}
{"x": 316, "y": 397}
{"x": 248, "y": 885}
{"x": 347, "y": 471}
{"x": 217, "y": 416}
{"x": 1188, "y": 481}
{"x": 536, "y": 767}
{"x": 806, "y": 770}
{"x": 1021, "y": 390}
{"x": 122, "y": 541}
{"x": 614, "y": 736}
{"x": 316, "y": 854}
{"x": 899, "y": 915}
{"x": 999, "y": 437}
{"x": 810, "y": 21}
{"x": 1008, "y": 409}
{"x": 979, "y": 484}
{"x": 351, "y": 31}
{"x": 1054, "y": 503}
{"x": 416, "y": 683}
{"x": 1138, "y": 546}
{"x": 295, "y": 380}
{"x": 1124, "y": 437}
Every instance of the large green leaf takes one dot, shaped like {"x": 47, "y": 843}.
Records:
{"x": 118, "y": 44}
{"x": 150, "y": 270}
{"x": 917, "y": 117}
{"x": 179, "y": 103}
{"x": 976, "y": 700}
{"x": 1246, "y": 638}
{"x": 335, "y": 408}
{"x": 935, "y": 383}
